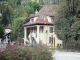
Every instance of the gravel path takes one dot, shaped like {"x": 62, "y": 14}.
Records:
{"x": 59, "y": 55}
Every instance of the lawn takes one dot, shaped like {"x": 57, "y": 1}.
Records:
{"x": 56, "y": 48}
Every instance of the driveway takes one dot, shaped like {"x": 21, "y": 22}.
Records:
{"x": 61, "y": 55}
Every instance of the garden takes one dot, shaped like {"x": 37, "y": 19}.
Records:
{"x": 18, "y": 52}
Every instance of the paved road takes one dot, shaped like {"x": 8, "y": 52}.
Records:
{"x": 58, "y": 55}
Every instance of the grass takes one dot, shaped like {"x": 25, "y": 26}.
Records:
{"x": 56, "y": 48}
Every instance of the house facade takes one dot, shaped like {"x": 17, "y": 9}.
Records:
{"x": 41, "y": 27}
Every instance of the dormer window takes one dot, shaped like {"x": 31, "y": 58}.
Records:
{"x": 32, "y": 20}
{"x": 52, "y": 19}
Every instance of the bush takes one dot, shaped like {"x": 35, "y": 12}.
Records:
{"x": 20, "y": 40}
{"x": 15, "y": 52}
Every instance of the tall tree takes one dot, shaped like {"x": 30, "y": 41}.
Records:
{"x": 67, "y": 22}
{"x": 1, "y": 31}
{"x": 6, "y": 16}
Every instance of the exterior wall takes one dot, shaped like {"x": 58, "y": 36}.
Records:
{"x": 49, "y": 19}
{"x": 48, "y": 34}
{"x": 44, "y": 36}
{"x": 35, "y": 18}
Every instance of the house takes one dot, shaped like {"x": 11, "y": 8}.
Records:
{"x": 41, "y": 27}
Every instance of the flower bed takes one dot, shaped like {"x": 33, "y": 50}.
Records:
{"x": 15, "y": 52}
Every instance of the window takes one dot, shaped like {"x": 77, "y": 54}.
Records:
{"x": 52, "y": 19}
{"x": 42, "y": 29}
{"x": 51, "y": 29}
{"x": 32, "y": 20}
{"x": 50, "y": 40}
{"x": 57, "y": 44}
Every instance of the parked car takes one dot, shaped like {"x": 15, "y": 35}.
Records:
{"x": 30, "y": 45}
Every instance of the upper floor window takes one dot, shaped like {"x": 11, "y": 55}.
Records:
{"x": 52, "y": 19}
{"x": 32, "y": 20}
{"x": 51, "y": 29}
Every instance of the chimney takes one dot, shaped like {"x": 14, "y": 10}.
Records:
{"x": 36, "y": 11}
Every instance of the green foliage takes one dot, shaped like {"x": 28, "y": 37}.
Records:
{"x": 6, "y": 17}
{"x": 36, "y": 6}
{"x": 25, "y": 15}
{"x": 20, "y": 40}
{"x": 29, "y": 9}
{"x": 1, "y": 31}
{"x": 38, "y": 52}
{"x": 40, "y": 6}
{"x": 17, "y": 29}
{"x": 6, "y": 12}
{"x": 67, "y": 22}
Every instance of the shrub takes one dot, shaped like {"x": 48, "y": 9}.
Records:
{"x": 15, "y": 52}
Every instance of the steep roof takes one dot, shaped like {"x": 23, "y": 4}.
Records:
{"x": 47, "y": 10}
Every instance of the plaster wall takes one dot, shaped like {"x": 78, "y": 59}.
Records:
{"x": 44, "y": 36}
{"x": 35, "y": 18}
{"x": 49, "y": 19}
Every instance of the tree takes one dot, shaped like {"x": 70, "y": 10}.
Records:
{"x": 6, "y": 13}
{"x": 67, "y": 23}
{"x": 6, "y": 16}
{"x": 25, "y": 14}
{"x": 17, "y": 29}
{"x": 36, "y": 6}
{"x": 1, "y": 31}
{"x": 29, "y": 9}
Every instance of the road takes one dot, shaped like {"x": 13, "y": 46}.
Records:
{"x": 61, "y": 55}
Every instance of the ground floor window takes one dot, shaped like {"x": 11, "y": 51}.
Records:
{"x": 50, "y": 41}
